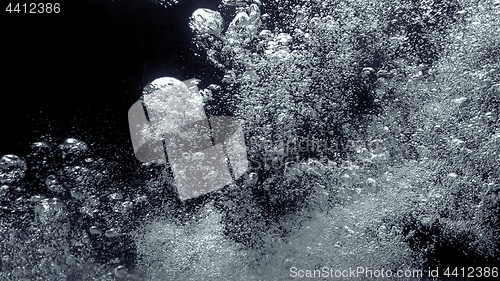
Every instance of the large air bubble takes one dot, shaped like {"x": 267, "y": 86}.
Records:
{"x": 12, "y": 169}
{"x": 72, "y": 150}
{"x": 206, "y": 22}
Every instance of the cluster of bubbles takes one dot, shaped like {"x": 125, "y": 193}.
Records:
{"x": 12, "y": 169}
{"x": 369, "y": 72}
{"x": 168, "y": 3}
{"x": 301, "y": 80}
{"x": 66, "y": 223}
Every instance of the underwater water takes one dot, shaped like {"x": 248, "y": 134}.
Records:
{"x": 371, "y": 130}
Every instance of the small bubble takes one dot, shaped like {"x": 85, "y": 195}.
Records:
{"x": 94, "y": 230}
{"x": 186, "y": 156}
{"x": 116, "y": 196}
{"x": 253, "y": 178}
{"x": 36, "y": 198}
{"x": 372, "y": 185}
{"x": 214, "y": 87}
{"x": 4, "y": 190}
{"x": 111, "y": 233}
{"x": 495, "y": 89}
{"x": 240, "y": 20}
{"x": 462, "y": 102}
{"x": 212, "y": 175}
{"x": 289, "y": 165}
{"x": 265, "y": 34}
{"x": 72, "y": 149}
{"x": 77, "y": 193}
{"x": 40, "y": 152}
{"x": 141, "y": 199}
{"x": 121, "y": 271}
{"x": 199, "y": 156}
{"x": 368, "y": 70}
{"x": 66, "y": 227}
{"x": 346, "y": 178}
{"x": 314, "y": 22}
{"x": 284, "y": 39}
{"x": 229, "y": 77}
{"x": 72, "y": 260}
{"x": 17, "y": 272}
{"x": 383, "y": 73}
{"x": 86, "y": 239}
{"x": 126, "y": 207}
{"x": 53, "y": 184}
{"x": 50, "y": 209}
{"x": 253, "y": 12}
{"x": 317, "y": 166}
{"x": 12, "y": 169}
{"x": 277, "y": 163}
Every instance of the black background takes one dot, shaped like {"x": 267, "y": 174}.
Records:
{"x": 76, "y": 73}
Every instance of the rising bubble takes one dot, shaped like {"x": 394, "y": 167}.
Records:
{"x": 72, "y": 149}
{"x": 206, "y": 21}
{"x": 12, "y": 169}
{"x": 53, "y": 184}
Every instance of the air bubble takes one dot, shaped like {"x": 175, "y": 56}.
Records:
{"x": 4, "y": 189}
{"x": 265, "y": 34}
{"x": 111, "y": 233}
{"x": 206, "y": 21}
{"x": 372, "y": 185}
{"x": 317, "y": 167}
{"x": 141, "y": 199}
{"x": 72, "y": 260}
{"x": 85, "y": 238}
{"x": 254, "y": 12}
{"x": 40, "y": 152}
{"x": 40, "y": 145}
{"x": 186, "y": 156}
{"x": 368, "y": 72}
{"x": 495, "y": 89}
{"x": 121, "y": 271}
{"x": 383, "y": 73}
{"x": 18, "y": 272}
{"x": 284, "y": 39}
{"x": 346, "y": 178}
{"x": 239, "y": 21}
{"x": 199, "y": 156}
{"x": 53, "y": 184}
{"x": 229, "y": 77}
{"x": 72, "y": 149}
{"x": 291, "y": 169}
{"x": 314, "y": 22}
{"x": 211, "y": 176}
{"x": 77, "y": 193}
{"x": 126, "y": 207}
{"x": 12, "y": 169}
{"x": 116, "y": 196}
{"x": 214, "y": 87}
{"x": 253, "y": 178}
{"x": 94, "y": 230}
{"x": 50, "y": 209}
